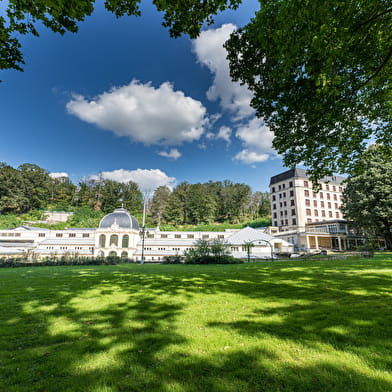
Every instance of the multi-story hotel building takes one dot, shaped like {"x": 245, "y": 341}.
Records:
{"x": 308, "y": 219}
{"x": 294, "y": 203}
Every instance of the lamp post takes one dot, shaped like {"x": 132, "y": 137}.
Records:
{"x": 143, "y": 225}
{"x": 266, "y": 241}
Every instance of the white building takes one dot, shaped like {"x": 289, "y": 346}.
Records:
{"x": 119, "y": 234}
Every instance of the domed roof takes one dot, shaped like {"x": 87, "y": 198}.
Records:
{"x": 119, "y": 218}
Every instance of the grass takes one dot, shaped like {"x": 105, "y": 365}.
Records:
{"x": 281, "y": 326}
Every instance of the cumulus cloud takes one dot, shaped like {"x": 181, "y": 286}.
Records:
{"x": 172, "y": 154}
{"x": 144, "y": 113}
{"x": 58, "y": 175}
{"x": 224, "y": 134}
{"x": 209, "y": 51}
{"x": 257, "y": 140}
{"x": 147, "y": 179}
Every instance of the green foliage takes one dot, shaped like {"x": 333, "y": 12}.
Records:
{"x": 368, "y": 196}
{"x": 320, "y": 72}
{"x": 9, "y": 221}
{"x": 85, "y": 217}
{"x": 177, "y": 259}
{"x": 210, "y": 252}
{"x": 158, "y": 204}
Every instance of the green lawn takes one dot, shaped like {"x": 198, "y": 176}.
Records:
{"x": 281, "y": 326}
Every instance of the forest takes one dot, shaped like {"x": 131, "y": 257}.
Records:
{"x": 28, "y": 190}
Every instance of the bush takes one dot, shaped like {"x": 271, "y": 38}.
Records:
{"x": 64, "y": 260}
{"x": 225, "y": 259}
{"x": 177, "y": 259}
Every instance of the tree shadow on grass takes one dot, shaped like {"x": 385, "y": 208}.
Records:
{"x": 108, "y": 329}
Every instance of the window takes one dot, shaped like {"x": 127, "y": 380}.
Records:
{"x": 337, "y": 214}
{"x": 284, "y": 194}
{"x": 221, "y": 236}
{"x": 190, "y": 236}
{"x": 308, "y": 211}
{"x": 163, "y": 235}
{"x": 291, "y": 193}
{"x": 293, "y": 211}
{"x": 86, "y": 235}
{"x": 72, "y": 235}
{"x": 314, "y": 195}
{"x": 328, "y": 196}
{"x": 306, "y": 184}
{"x": 281, "y": 213}
{"x": 335, "y": 196}
{"x": 280, "y": 204}
{"x": 334, "y": 188}
{"x": 327, "y": 187}
{"x": 273, "y": 189}
{"x": 306, "y": 193}
{"x": 285, "y": 212}
{"x": 323, "y": 213}
{"x": 314, "y": 203}
{"x": 330, "y": 214}
{"x": 59, "y": 235}
{"x": 286, "y": 221}
{"x": 285, "y": 204}
{"x": 177, "y": 235}
{"x": 113, "y": 240}
{"x": 234, "y": 248}
{"x": 273, "y": 207}
{"x": 280, "y": 187}
{"x": 308, "y": 220}
{"x": 291, "y": 202}
{"x": 275, "y": 215}
{"x": 307, "y": 202}
{"x": 275, "y": 223}
{"x": 291, "y": 184}
{"x": 41, "y": 235}
{"x": 340, "y": 189}
{"x": 336, "y": 205}
{"x": 150, "y": 235}
{"x": 315, "y": 212}
{"x": 273, "y": 198}
{"x": 322, "y": 204}
{"x": 125, "y": 242}
{"x": 294, "y": 221}
{"x": 329, "y": 205}
{"x": 205, "y": 237}
{"x": 321, "y": 195}
{"x": 102, "y": 241}
{"x": 283, "y": 186}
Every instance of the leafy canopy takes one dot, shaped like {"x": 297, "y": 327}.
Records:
{"x": 321, "y": 73}
{"x": 368, "y": 196}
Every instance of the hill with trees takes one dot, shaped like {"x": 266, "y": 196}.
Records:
{"x": 26, "y": 191}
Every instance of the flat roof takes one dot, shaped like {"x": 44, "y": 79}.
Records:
{"x": 302, "y": 173}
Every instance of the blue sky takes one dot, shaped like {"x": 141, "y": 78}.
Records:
{"x": 123, "y": 99}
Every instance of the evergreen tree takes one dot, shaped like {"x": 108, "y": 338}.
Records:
{"x": 159, "y": 203}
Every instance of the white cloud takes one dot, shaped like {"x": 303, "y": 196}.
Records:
{"x": 144, "y": 113}
{"x": 172, "y": 154}
{"x": 147, "y": 179}
{"x": 59, "y": 175}
{"x": 247, "y": 156}
{"x": 257, "y": 140}
{"x": 209, "y": 50}
{"x": 224, "y": 134}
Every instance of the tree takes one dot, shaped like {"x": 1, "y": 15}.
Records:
{"x": 158, "y": 203}
{"x": 12, "y": 195}
{"x": 21, "y": 18}
{"x": 320, "y": 72}
{"x": 36, "y": 185}
{"x": 368, "y": 196}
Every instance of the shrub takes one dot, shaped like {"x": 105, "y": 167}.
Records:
{"x": 177, "y": 259}
{"x": 226, "y": 259}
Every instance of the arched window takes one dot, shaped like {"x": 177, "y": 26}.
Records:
{"x": 125, "y": 241}
{"x": 102, "y": 240}
{"x": 101, "y": 254}
{"x": 113, "y": 240}
{"x": 112, "y": 253}
{"x": 124, "y": 255}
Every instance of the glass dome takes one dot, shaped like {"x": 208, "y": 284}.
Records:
{"x": 119, "y": 218}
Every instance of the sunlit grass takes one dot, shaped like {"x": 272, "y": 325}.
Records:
{"x": 281, "y": 326}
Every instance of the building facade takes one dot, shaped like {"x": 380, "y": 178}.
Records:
{"x": 119, "y": 234}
